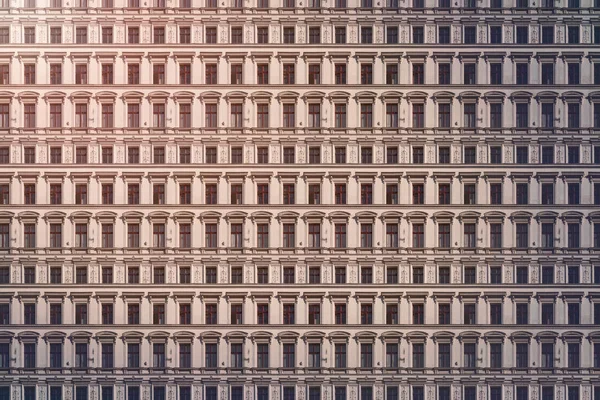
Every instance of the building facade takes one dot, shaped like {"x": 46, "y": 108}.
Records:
{"x": 299, "y": 200}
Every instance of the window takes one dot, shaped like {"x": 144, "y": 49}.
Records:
{"x": 185, "y": 36}
{"x": 470, "y": 74}
{"x": 133, "y": 116}
{"x": 469, "y": 193}
{"x": 547, "y": 355}
{"x": 547, "y": 34}
{"x": 29, "y": 115}
{"x": 236, "y": 236}
{"x": 314, "y": 34}
{"x": 158, "y": 314}
{"x": 547, "y": 73}
{"x": 158, "y": 235}
{"x": 210, "y": 310}
{"x": 262, "y": 231}
{"x": 159, "y": 35}
{"x": 107, "y": 236}
{"x": 29, "y": 74}
{"x": 289, "y": 35}
{"x": 29, "y": 34}
{"x": 314, "y": 355}
{"x": 496, "y": 31}
{"x": 496, "y": 73}
{"x": 573, "y": 115}
{"x": 418, "y": 74}
{"x": 366, "y": 314}
{"x": 81, "y": 355}
{"x": 210, "y": 75}
{"x": 4, "y": 239}
{"x": 314, "y": 314}
{"x": 340, "y": 35}
{"x": 289, "y": 354}
{"x": 418, "y": 355}
{"x": 158, "y": 193}
{"x": 133, "y": 275}
{"x": 340, "y": 355}
{"x": 366, "y": 358}
{"x": 391, "y": 235}
{"x": 470, "y": 35}
{"x": 418, "y": 117}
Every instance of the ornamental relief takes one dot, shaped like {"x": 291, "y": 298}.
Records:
{"x": 404, "y": 34}
{"x": 508, "y": 274}
{"x": 560, "y": 153}
{"x": 223, "y": 154}
{"x": 353, "y": 34}
{"x": 301, "y": 154}
{"x": 482, "y": 154}
{"x": 197, "y": 274}
{"x": 249, "y": 34}
{"x": 68, "y": 34}
{"x": 16, "y": 154}
{"x": 301, "y": 33}
{"x": 120, "y": 153}
{"x": 534, "y": 34}
{"x": 42, "y": 273}
{"x": 482, "y": 34}
{"x": 197, "y": 153}
{"x": 534, "y": 154}
{"x": 68, "y": 392}
{"x": 275, "y": 273}
{"x": 16, "y": 392}
{"x": 457, "y": 34}
{"x": 534, "y": 273}
{"x": 508, "y": 154}
{"x": 586, "y": 154}
{"x": 353, "y": 153}
{"x": 560, "y": 274}
{"x": 560, "y": 34}
{"x": 68, "y": 154}
{"x": 431, "y": 33}
{"x": 327, "y": 34}
{"x": 300, "y": 269}
{"x": 457, "y": 274}
{"x": 275, "y": 34}
{"x": 145, "y": 34}
{"x": 93, "y": 32}
{"x": 482, "y": 276}
{"x": 508, "y": 34}
{"x": 327, "y": 153}
{"x": 379, "y": 34}
{"x": 223, "y": 274}
{"x": 587, "y": 274}
{"x": 456, "y": 156}
{"x": 42, "y": 153}
{"x": 197, "y": 34}
{"x": 585, "y": 34}
{"x": 403, "y": 154}
{"x": 379, "y": 274}
{"x": 379, "y": 155}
